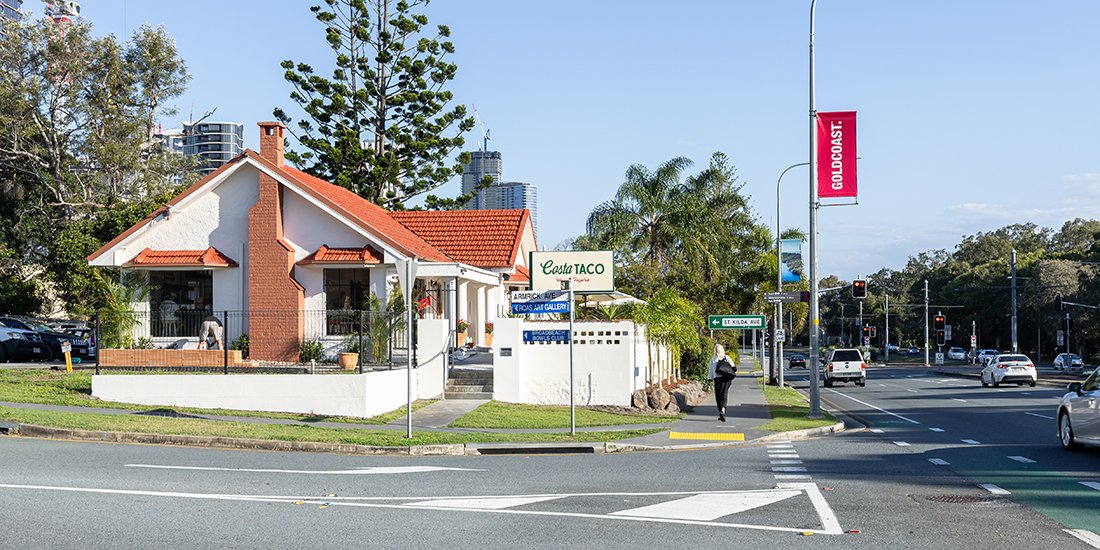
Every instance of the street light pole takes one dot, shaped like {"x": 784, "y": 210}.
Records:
{"x": 815, "y": 322}
{"x": 1014, "y": 341}
{"x": 887, "y": 327}
{"x": 926, "y": 322}
{"x": 779, "y": 274}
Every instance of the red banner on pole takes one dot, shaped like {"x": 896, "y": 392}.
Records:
{"x": 836, "y": 154}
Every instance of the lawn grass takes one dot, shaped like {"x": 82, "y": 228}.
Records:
{"x": 789, "y": 409}
{"x": 48, "y": 387}
{"x": 495, "y": 414}
{"x": 277, "y": 432}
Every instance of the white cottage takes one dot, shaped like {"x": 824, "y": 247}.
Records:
{"x": 262, "y": 237}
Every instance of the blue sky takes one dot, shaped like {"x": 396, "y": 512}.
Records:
{"x": 972, "y": 115}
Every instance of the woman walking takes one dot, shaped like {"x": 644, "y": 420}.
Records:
{"x": 722, "y": 371}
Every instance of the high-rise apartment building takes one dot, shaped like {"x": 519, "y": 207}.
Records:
{"x": 10, "y": 10}
{"x": 482, "y": 163}
{"x": 513, "y": 195}
{"x": 214, "y": 143}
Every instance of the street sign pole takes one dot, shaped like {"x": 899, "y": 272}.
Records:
{"x": 406, "y": 272}
{"x": 568, "y": 284}
{"x": 815, "y": 322}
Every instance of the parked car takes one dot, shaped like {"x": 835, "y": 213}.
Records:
{"x": 956, "y": 354}
{"x": 845, "y": 365}
{"x": 20, "y": 345}
{"x": 796, "y": 360}
{"x": 88, "y": 334}
{"x": 1078, "y": 417}
{"x": 913, "y": 350}
{"x": 1007, "y": 368}
{"x": 984, "y": 355}
{"x": 1068, "y": 361}
{"x": 50, "y": 338}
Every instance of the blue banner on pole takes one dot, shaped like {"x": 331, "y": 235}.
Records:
{"x": 790, "y": 254}
{"x": 546, "y": 336}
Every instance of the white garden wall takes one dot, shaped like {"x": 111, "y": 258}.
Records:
{"x": 607, "y": 364}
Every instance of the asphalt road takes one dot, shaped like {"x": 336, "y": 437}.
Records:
{"x": 814, "y": 493}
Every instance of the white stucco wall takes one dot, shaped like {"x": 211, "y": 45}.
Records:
{"x": 358, "y": 395}
{"x": 605, "y": 364}
{"x": 431, "y": 356}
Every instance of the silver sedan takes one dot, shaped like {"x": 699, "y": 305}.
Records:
{"x": 1079, "y": 413}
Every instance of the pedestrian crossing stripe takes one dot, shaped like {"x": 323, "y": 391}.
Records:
{"x": 707, "y": 436}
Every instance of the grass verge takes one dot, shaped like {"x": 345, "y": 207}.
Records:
{"x": 495, "y": 414}
{"x": 276, "y": 432}
{"x": 48, "y": 387}
{"x": 789, "y": 409}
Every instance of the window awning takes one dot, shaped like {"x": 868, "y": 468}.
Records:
{"x": 208, "y": 258}
{"x": 343, "y": 256}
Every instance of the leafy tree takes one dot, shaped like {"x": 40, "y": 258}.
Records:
{"x": 379, "y": 126}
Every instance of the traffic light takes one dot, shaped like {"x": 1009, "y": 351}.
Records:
{"x": 873, "y": 331}
{"x": 939, "y": 322}
{"x": 941, "y": 337}
{"x": 866, "y": 331}
{"x": 859, "y": 289}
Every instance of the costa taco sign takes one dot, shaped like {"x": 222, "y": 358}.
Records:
{"x": 589, "y": 271}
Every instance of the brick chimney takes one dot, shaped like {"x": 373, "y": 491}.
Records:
{"x": 271, "y": 141}
{"x": 275, "y": 299}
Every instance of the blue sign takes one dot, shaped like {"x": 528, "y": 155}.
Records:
{"x": 546, "y": 336}
{"x": 521, "y": 308}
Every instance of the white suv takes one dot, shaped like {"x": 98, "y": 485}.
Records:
{"x": 1008, "y": 368}
{"x": 845, "y": 365}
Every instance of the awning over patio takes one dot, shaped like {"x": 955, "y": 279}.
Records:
{"x": 209, "y": 258}
{"x": 343, "y": 256}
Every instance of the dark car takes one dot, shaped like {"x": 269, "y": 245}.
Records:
{"x": 51, "y": 339}
{"x": 20, "y": 345}
{"x": 796, "y": 361}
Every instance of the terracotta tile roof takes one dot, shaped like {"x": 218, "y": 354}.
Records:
{"x": 482, "y": 238}
{"x": 520, "y": 275}
{"x": 210, "y": 257}
{"x": 364, "y": 213}
{"x": 356, "y": 256}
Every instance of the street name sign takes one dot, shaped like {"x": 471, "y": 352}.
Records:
{"x": 526, "y": 302}
{"x": 786, "y": 297}
{"x": 546, "y": 336}
{"x": 735, "y": 322}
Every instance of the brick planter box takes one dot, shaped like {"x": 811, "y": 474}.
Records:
{"x": 169, "y": 358}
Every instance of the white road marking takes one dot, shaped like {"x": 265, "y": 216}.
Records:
{"x": 936, "y": 429}
{"x": 912, "y": 391}
{"x": 828, "y": 519}
{"x": 1022, "y": 459}
{"x": 901, "y": 444}
{"x": 994, "y": 489}
{"x": 781, "y": 446}
{"x": 1041, "y": 416}
{"x": 781, "y": 462}
{"x": 375, "y": 470}
{"x": 788, "y": 469}
{"x": 709, "y": 507}
{"x": 957, "y": 399}
{"x": 877, "y": 430}
{"x": 481, "y": 503}
{"x": 910, "y": 420}
{"x": 785, "y": 455}
{"x": 938, "y": 461}
{"x": 971, "y": 442}
{"x": 792, "y": 476}
{"x": 1002, "y": 390}
{"x": 1091, "y": 485}
{"x": 1085, "y": 536}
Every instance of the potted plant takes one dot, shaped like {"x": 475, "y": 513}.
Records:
{"x": 488, "y": 334}
{"x": 349, "y": 358}
{"x": 460, "y": 327}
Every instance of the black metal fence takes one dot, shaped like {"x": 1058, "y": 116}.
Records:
{"x": 329, "y": 341}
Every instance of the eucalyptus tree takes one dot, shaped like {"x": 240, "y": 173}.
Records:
{"x": 382, "y": 125}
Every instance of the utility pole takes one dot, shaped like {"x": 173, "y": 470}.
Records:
{"x": 815, "y": 321}
{"x": 887, "y": 327}
{"x": 926, "y": 322}
{"x": 1014, "y": 342}
{"x": 842, "y": 322}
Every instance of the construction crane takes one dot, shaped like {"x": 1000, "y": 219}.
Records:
{"x": 62, "y": 12}
{"x": 484, "y": 132}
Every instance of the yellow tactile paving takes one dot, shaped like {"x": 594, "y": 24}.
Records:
{"x": 707, "y": 436}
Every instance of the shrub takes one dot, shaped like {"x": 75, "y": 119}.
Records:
{"x": 311, "y": 351}
{"x": 241, "y": 344}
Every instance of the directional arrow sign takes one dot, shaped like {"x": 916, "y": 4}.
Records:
{"x": 735, "y": 322}
{"x": 775, "y": 297}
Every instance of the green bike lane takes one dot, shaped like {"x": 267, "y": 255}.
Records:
{"x": 1002, "y": 440}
